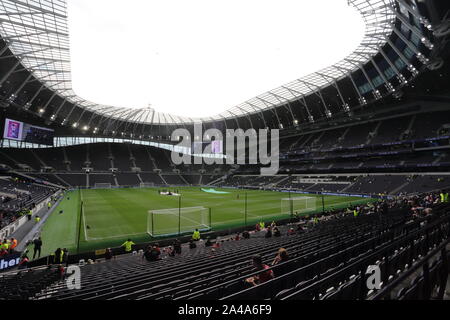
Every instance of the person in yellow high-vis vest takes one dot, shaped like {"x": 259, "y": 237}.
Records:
{"x": 444, "y": 196}
{"x": 196, "y": 235}
{"x": 5, "y": 245}
{"x": 128, "y": 245}
{"x": 262, "y": 225}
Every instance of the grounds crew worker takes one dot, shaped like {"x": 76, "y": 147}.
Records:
{"x": 37, "y": 219}
{"x": 262, "y": 225}
{"x": 13, "y": 244}
{"x": 5, "y": 245}
{"x": 128, "y": 245}
{"x": 196, "y": 235}
{"x": 444, "y": 196}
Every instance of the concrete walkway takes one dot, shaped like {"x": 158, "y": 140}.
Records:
{"x": 31, "y": 229}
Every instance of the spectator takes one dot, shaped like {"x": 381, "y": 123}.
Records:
{"x": 291, "y": 231}
{"x": 3, "y": 253}
{"x": 268, "y": 233}
{"x": 246, "y": 234}
{"x": 37, "y": 247}
{"x": 237, "y": 237}
{"x": 152, "y": 253}
{"x": 208, "y": 242}
{"x": 276, "y": 232}
{"x": 177, "y": 246}
{"x": 108, "y": 254}
{"x": 23, "y": 264}
{"x": 170, "y": 251}
{"x": 192, "y": 244}
{"x": 281, "y": 257}
{"x": 260, "y": 277}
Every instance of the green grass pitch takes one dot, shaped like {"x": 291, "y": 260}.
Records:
{"x": 112, "y": 215}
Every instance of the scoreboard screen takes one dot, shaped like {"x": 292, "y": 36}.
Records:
{"x": 21, "y": 131}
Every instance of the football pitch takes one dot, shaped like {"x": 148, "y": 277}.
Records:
{"x": 110, "y": 216}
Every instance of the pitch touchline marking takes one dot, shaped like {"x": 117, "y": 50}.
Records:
{"x": 82, "y": 216}
{"x": 118, "y": 236}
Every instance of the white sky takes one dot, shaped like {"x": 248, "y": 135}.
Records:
{"x": 198, "y": 58}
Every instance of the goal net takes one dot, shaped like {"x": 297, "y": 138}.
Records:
{"x": 146, "y": 184}
{"x": 298, "y": 205}
{"x": 102, "y": 186}
{"x": 170, "y": 222}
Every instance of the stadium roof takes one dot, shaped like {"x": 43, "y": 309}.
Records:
{"x": 37, "y": 33}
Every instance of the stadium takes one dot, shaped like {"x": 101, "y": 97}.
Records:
{"x": 333, "y": 186}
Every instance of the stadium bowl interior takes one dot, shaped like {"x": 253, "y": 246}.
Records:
{"x": 362, "y": 180}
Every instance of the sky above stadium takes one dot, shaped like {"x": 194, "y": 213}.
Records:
{"x": 198, "y": 58}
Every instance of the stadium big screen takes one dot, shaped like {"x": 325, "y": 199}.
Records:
{"x": 21, "y": 131}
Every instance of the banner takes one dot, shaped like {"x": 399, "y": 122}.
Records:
{"x": 9, "y": 261}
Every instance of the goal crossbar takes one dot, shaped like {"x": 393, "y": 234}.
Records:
{"x": 296, "y": 205}
{"x": 176, "y": 221}
{"x": 102, "y": 185}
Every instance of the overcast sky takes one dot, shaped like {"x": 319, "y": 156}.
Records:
{"x": 200, "y": 57}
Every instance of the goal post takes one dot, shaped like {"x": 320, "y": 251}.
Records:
{"x": 177, "y": 221}
{"x": 146, "y": 184}
{"x": 102, "y": 186}
{"x": 298, "y": 205}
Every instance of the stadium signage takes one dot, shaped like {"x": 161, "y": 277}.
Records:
{"x": 238, "y": 144}
{"x": 9, "y": 262}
